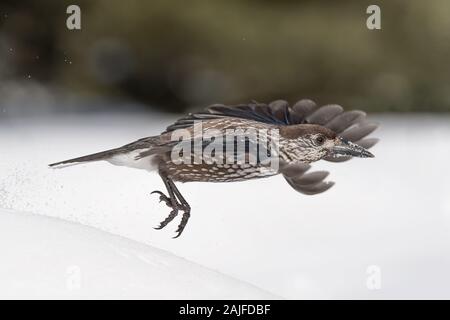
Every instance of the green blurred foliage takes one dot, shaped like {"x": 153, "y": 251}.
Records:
{"x": 181, "y": 54}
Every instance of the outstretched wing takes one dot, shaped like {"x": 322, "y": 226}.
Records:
{"x": 307, "y": 183}
{"x": 351, "y": 125}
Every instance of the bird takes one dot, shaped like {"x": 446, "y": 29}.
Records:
{"x": 283, "y": 140}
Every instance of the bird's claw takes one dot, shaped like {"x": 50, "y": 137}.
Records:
{"x": 169, "y": 218}
{"x": 175, "y": 208}
{"x": 163, "y": 197}
{"x": 183, "y": 222}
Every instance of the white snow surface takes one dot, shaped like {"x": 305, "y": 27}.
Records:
{"x": 390, "y": 214}
{"x": 48, "y": 258}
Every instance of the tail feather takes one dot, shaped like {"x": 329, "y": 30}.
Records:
{"x": 91, "y": 157}
{"x": 144, "y": 143}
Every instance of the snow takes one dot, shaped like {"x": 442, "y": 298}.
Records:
{"x": 48, "y": 258}
{"x": 390, "y": 213}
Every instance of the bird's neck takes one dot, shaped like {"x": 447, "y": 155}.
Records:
{"x": 296, "y": 151}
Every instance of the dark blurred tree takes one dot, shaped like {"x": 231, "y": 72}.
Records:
{"x": 180, "y": 54}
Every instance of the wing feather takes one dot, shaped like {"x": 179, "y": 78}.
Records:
{"x": 311, "y": 189}
{"x": 345, "y": 120}
{"x": 367, "y": 143}
{"x": 325, "y": 114}
{"x": 310, "y": 178}
{"x": 359, "y": 131}
{"x": 351, "y": 125}
{"x": 307, "y": 183}
{"x": 302, "y": 109}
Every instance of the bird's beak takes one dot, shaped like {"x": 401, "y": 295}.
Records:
{"x": 343, "y": 147}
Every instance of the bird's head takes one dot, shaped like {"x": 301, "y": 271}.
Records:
{"x": 308, "y": 143}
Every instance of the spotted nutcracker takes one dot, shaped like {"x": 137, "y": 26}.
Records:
{"x": 304, "y": 133}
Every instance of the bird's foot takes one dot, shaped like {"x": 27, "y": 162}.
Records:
{"x": 169, "y": 218}
{"x": 176, "y": 207}
{"x": 184, "y": 220}
{"x": 163, "y": 197}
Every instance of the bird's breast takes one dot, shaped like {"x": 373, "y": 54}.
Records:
{"x": 218, "y": 172}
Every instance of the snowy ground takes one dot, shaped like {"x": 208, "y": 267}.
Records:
{"x": 386, "y": 221}
{"x": 51, "y": 258}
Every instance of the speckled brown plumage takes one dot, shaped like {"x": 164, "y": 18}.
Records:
{"x": 305, "y": 133}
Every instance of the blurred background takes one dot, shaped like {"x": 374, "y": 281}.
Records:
{"x": 175, "y": 56}
{"x": 135, "y": 66}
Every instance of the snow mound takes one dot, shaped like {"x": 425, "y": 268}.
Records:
{"x": 390, "y": 213}
{"x": 45, "y": 257}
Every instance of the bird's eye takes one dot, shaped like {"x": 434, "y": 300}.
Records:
{"x": 320, "y": 140}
